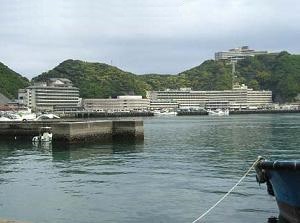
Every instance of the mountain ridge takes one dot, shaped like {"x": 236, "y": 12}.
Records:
{"x": 277, "y": 72}
{"x": 11, "y": 81}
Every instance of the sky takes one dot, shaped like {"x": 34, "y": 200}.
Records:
{"x": 141, "y": 36}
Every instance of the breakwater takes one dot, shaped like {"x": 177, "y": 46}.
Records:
{"x": 269, "y": 111}
{"x": 240, "y": 112}
{"x": 86, "y": 114}
{"x": 9, "y": 221}
{"x": 75, "y": 131}
{"x": 181, "y": 113}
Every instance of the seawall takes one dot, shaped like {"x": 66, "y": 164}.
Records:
{"x": 240, "y": 112}
{"x": 86, "y": 114}
{"x": 75, "y": 131}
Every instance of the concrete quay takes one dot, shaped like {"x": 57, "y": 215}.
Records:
{"x": 240, "y": 112}
{"x": 9, "y": 221}
{"x": 93, "y": 114}
{"x": 71, "y": 132}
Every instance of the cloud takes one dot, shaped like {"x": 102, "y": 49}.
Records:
{"x": 141, "y": 36}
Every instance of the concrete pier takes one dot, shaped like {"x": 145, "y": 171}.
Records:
{"x": 9, "y": 221}
{"x": 241, "y": 112}
{"x": 75, "y": 131}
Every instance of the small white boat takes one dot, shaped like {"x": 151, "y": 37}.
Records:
{"x": 218, "y": 112}
{"x": 21, "y": 115}
{"x": 26, "y": 115}
{"x": 4, "y": 119}
{"x": 46, "y": 116}
{"x": 44, "y": 136}
{"x": 163, "y": 113}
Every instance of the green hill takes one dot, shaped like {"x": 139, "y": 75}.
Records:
{"x": 11, "y": 81}
{"x": 96, "y": 79}
{"x": 277, "y": 72}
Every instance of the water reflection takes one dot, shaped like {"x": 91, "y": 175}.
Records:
{"x": 184, "y": 165}
{"x": 277, "y": 220}
{"x": 68, "y": 152}
{"x": 273, "y": 220}
{"x": 42, "y": 146}
{"x": 91, "y": 150}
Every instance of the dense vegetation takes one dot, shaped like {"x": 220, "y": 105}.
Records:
{"x": 11, "y": 81}
{"x": 96, "y": 79}
{"x": 277, "y": 72}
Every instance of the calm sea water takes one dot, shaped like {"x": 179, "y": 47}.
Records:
{"x": 183, "y": 167}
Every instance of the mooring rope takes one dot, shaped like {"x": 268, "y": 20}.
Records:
{"x": 225, "y": 195}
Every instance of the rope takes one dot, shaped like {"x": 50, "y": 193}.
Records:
{"x": 225, "y": 195}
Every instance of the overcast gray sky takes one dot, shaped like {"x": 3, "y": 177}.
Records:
{"x": 141, "y": 36}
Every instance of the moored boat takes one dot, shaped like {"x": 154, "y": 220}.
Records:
{"x": 44, "y": 136}
{"x": 18, "y": 117}
{"x": 4, "y": 119}
{"x": 218, "y": 112}
{"x": 165, "y": 113}
{"x": 283, "y": 182}
{"x": 46, "y": 116}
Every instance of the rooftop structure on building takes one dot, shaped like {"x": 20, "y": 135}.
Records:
{"x": 238, "y": 53}
{"x": 240, "y": 97}
{"x": 54, "y": 94}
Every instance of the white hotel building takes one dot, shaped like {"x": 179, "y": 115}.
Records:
{"x": 56, "y": 94}
{"x": 121, "y": 103}
{"x": 238, "y": 53}
{"x": 240, "y": 97}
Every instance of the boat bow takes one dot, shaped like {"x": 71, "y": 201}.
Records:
{"x": 283, "y": 182}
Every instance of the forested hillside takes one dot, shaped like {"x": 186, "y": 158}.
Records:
{"x": 11, "y": 81}
{"x": 96, "y": 79}
{"x": 277, "y": 72}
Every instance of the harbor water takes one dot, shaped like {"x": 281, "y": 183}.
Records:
{"x": 184, "y": 165}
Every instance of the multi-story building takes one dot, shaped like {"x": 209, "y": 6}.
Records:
{"x": 163, "y": 105}
{"x": 240, "y": 97}
{"x": 238, "y": 53}
{"x": 56, "y": 94}
{"x": 121, "y": 103}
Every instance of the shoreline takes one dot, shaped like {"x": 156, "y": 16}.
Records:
{"x": 11, "y": 221}
{"x": 240, "y": 112}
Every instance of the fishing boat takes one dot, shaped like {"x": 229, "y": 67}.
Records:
{"x": 4, "y": 119}
{"x": 218, "y": 112}
{"x": 283, "y": 182}
{"x": 46, "y": 116}
{"x": 44, "y": 136}
{"x": 165, "y": 113}
{"x": 27, "y": 117}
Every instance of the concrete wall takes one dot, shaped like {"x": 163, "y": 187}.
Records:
{"x": 75, "y": 132}
{"x": 128, "y": 130}
{"x": 90, "y": 131}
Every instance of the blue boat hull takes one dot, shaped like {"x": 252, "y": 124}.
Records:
{"x": 286, "y": 186}
{"x": 283, "y": 180}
